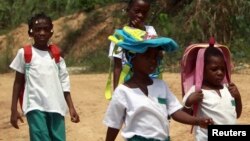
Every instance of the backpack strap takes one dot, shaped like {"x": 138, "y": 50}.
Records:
{"x": 55, "y": 51}
{"x": 27, "y": 53}
{"x": 27, "y": 58}
{"x": 125, "y": 73}
{"x": 108, "y": 88}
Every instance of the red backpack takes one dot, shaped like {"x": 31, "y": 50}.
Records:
{"x": 55, "y": 52}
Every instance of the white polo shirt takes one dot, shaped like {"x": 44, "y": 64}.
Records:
{"x": 220, "y": 108}
{"x": 45, "y": 85}
{"x": 142, "y": 115}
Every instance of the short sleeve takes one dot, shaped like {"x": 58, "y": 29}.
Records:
{"x": 115, "y": 113}
{"x": 18, "y": 62}
{"x": 118, "y": 53}
{"x": 64, "y": 76}
{"x": 151, "y": 30}
{"x": 173, "y": 104}
{"x": 189, "y": 92}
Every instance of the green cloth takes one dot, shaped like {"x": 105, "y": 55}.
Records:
{"x": 45, "y": 126}
{"x": 140, "y": 138}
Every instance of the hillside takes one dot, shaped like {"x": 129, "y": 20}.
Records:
{"x": 19, "y": 36}
{"x": 83, "y": 36}
{"x": 77, "y": 35}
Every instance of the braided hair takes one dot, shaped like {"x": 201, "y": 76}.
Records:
{"x": 37, "y": 16}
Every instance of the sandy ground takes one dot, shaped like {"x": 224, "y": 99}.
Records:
{"x": 88, "y": 97}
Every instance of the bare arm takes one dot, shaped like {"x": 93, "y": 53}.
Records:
{"x": 15, "y": 115}
{"x": 117, "y": 71}
{"x": 73, "y": 114}
{"x": 185, "y": 118}
{"x": 194, "y": 98}
{"x": 238, "y": 106}
{"x": 111, "y": 134}
{"x": 236, "y": 94}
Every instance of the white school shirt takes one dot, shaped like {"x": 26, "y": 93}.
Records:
{"x": 151, "y": 33}
{"x": 220, "y": 108}
{"x": 45, "y": 84}
{"x": 142, "y": 115}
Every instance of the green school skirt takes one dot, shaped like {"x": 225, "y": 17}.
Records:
{"x": 140, "y": 138}
{"x": 45, "y": 126}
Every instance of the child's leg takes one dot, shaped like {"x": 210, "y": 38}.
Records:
{"x": 56, "y": 127}
{"x": 37, "y": 126}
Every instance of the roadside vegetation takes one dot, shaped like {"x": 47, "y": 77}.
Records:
{"x": 186, "y": 21}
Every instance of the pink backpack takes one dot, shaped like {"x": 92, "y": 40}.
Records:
{"x": 192, "y": 65}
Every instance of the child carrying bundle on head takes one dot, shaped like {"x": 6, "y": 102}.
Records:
{"x": 142, "y": 104}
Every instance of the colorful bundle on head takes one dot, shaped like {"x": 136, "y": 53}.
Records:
{"x": 132, "y": 41}
{"x": 136, "y": 40}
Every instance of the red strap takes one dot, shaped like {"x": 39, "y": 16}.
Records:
{"x": 28, "y": 56}
{"x": 27, "y": 53}
{"x": 27, "y": 59}
{"x": 55, "y": 52}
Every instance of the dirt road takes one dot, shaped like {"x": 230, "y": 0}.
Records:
{"x": 88, "y": 96}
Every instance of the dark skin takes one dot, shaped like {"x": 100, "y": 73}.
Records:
{"x": 41, "y": 33}
{"x": 143, "y": 65}
{"x": 117, "y": 71}
{"x": 137, "y": 14}
{"x": 214, "y": 72}
{"x": 15, "y": 115}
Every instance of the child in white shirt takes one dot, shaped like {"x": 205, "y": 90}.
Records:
{"x": 137, "y": 12}
{"x": 46, "y": 97}
{"x": 142, "y": 104}
{"x": 215, "y": 96}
